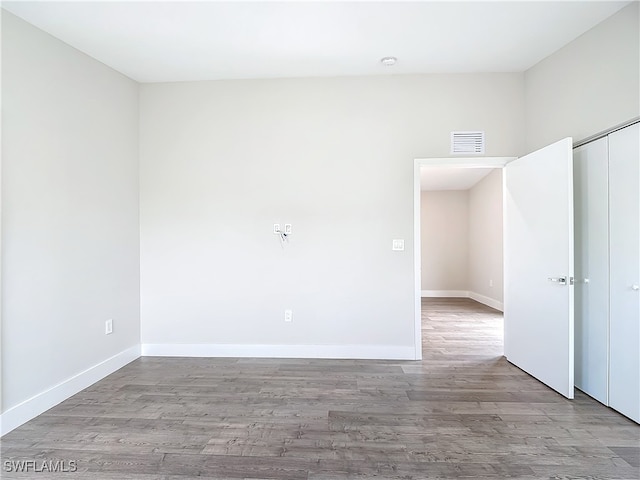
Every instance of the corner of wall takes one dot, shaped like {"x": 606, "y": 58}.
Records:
{"x": 589, "y": 85}
{"x": 43, "y": 401}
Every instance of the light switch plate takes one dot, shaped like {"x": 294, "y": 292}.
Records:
{"x": 397, "y": 245}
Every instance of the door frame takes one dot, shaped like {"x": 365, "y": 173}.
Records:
{"x": 456, "y": 162}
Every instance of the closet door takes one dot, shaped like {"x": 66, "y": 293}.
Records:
{"x": 624, "y": 212}
{"x": 591, "y": 205}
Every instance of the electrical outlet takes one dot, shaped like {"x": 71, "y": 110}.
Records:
{"x": 276, "y": 228}
{"x": 491, "y": 283}
{"x": 287, "y": 229}
{"x": 108, "y": 327}
{"x": 288, "y": 315}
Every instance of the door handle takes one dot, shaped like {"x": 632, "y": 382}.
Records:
{"x": 558, "y": 280}
{"x": 635, "y": 287}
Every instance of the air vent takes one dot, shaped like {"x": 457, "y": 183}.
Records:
{"x": 467, "y": 142}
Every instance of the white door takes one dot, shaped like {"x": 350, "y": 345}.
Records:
{"x": 591, "y": 204}
{"x": 538, "y": 252}
{"x": 624, "y": 207}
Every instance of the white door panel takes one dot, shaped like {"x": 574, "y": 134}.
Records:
{"x": 624, "y": 207}
{"x": 538, "y": 306}
{"x": 591, "y": 205}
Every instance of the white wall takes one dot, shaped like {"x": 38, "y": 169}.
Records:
{"x": 444, "y": 240}
{"x": 222, "y": 161}
{"x": 485, "y": 239}
{"x": 588, "y": 86}
{"x": 70, "y": 222}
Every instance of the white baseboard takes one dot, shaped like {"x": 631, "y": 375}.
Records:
{"x": 490, "y": 302}
{"x": 374, "y": 352}
{"x": 445, "y": 293}
{"x": 34, "y": 406}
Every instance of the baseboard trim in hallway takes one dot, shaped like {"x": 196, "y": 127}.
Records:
{"x": 444, "y": 293}
{"x": 488, "y": 301}
{"x": 43, "y": 401}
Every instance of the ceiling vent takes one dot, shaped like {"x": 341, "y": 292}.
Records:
{"x": 467, "y": 143}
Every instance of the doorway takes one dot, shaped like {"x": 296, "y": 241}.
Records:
{"x": 445, "y": 171}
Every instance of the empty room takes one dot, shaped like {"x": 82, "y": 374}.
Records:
{"x": 213, "y": 261}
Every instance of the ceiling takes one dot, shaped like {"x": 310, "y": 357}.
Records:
{"x": 436, "y": 177}
{"x": 163, "y": 41}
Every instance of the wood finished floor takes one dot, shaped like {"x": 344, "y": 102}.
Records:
{"x": 462, "y": 412}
